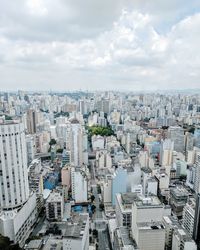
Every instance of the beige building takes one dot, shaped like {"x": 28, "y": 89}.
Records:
{"x": 147, "y": 227}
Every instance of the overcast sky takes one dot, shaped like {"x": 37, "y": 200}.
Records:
{"x": 99, "y": 44}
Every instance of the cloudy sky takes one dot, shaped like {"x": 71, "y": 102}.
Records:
{"x": 99, "y": 44}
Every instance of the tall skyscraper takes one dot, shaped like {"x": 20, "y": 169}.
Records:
{"x": 166, "y": 152}
{"x": 196, "y": 232}
{"x": 17, "y": 205}
{"x": 197, "y": 137}
{"x": 176, "y": 134}
{"x": 82, "y": 107}
{"x": 197, "y": 173}
{"x": 14, "y": 188}
{"x": 79, "y": 185}
{"x": 31, "y": 121}
{"x": 189, "y": 141}
{"x": 76, "y": 147}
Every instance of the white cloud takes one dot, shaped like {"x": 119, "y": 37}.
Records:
{"x": 37, "y": 7}
{"x": 77, "y": 49}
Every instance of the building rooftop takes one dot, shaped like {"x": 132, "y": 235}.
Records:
{"x": 150, "y": 225}
{"x": 129, "y": 198}
{"x": 8, "y": 122}
{"x": 150, "y": 201}
{"x": 171, "y": 221}
{"x": 179, "y": 192}
{"x": 125, "y": 237}
{"x": 54, "y": 197}
{"x": 34, "y": 244}
{"x": 75, "y": 228}
{"x": 74, "y": 121}
{"x": 53, "y": 244}
{"x": 182, "y": 233}
{"x": 146, "y": 170}
{"x": 152, "y": 179}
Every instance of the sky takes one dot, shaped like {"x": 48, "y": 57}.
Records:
{"x": 125, "y": 45}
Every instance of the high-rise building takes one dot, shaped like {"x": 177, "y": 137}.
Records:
{"x": 147, "y": 226}
{"x": 119, "y": 183}
{"x": 82, "y": 107}
{"x": 14, "y": 189}
{"x": 123, "y": 208}
{"x": 178, "y": 199}
{"x": 103, "y": 105}
{"x": 197, "y": 173}
{"x": 189, "y": 141}
{"x": 65, "y": 157}
{"x": 176, "y": 134}
{"x": 196, "y": 231}
{"x": 76, "y": 147}
{"x": 54, "y": 207}
{"x": 188, "y": 216}
{"x": 170, "y": 224}
{"x": 167, "y": 147}
{"x": 31, "y": 121}
{"x": 197, "y": 137}
{"x": 18, "y": 205}
{"x": 181, "y": 168}
{"x": 181, "y": 240}
{"x": 79, "y": 185}
{"x": 31, "y": 148}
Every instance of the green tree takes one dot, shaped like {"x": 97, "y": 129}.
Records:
{"x": 191, "y": 130}
{"x": 95, "y": 233}
{"x": 52, "y": 142}
{"x": 98, "y": 130}
{"x": 92, "y": 198}
{"x": 101, "y": 206}
{"x": 93, "y": 207}
{"x": 59, "y": 150}
{"x": 6, "y": 244}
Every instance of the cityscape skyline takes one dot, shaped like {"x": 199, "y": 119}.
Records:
{"x": 99, "y": 125}
{"x": 99, "y": 170}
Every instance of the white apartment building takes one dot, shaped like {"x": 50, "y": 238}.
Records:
{"x": 18, "y": 206}
{"x": 181, "y": 240}
{"x": 147, "y": 227}
{"x": 188, "y": 216}
{"x": 107, "y": 189}
{"x": 98, "y": 142}
{"x": 197, "y": 173}
{"x": 167, "y": 147}
{"x": 170, "y": 223}
{"x": 79, "y": 185}
{"x": 104, "y": 159}
{"x": 31, "y": 148}
{"x": 14, "y": 188}
{"x": 76, "y": 146}
{"x": 54, "y": 207}
{"x": 123, "y": 208}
